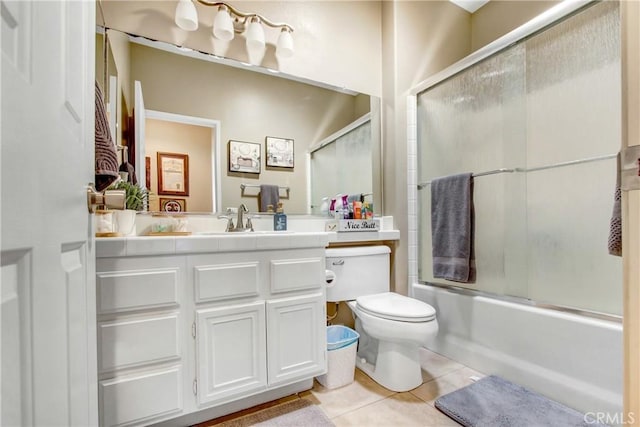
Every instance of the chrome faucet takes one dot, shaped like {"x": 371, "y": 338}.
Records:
{"x": 240, "y": 226}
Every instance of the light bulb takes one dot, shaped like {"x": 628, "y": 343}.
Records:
{"x": 222, "y": 25}
{"x": 186, "y": 15}
{"x": 284, "y": 48}
{"x": 255, "y": 35}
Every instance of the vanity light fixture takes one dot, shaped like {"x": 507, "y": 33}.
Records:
{"x": 230, "y": 20}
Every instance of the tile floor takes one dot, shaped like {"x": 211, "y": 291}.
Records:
{"x": 365, "y": 403}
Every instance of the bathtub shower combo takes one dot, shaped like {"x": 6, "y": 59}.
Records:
{"x": 536, "y": 117}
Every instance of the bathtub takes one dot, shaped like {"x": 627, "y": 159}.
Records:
{"x": 570, "y": 358}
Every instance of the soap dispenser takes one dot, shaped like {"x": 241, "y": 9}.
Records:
{"x": 279, "y": 219}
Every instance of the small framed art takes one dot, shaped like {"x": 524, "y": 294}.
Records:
{"x": 244, "y": 157}
{"x": 279, "y": 152}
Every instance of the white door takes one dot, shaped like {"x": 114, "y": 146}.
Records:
{"x": 48, "y": 344}
{"x": 296, "y": 338}
{"x": 139, "y": 117}
{"x": 231, "y": 348}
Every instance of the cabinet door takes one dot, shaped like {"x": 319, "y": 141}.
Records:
{"x": 231, "y": 345}
{"x": 296, "y": 338}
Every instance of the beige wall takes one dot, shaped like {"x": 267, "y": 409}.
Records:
{"x": 119, "y": 44}
{"x": 195, "y": 141}
{"x": 498, "y": 17}
{"x": 336, "y": 42}
{"x": 420, "y": 39}
{"x": 249, "y": 106}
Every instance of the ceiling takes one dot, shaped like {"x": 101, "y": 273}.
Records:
{"x": 470, "y": 5}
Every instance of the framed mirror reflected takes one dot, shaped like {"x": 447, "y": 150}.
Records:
{"x": 283, "y": 116}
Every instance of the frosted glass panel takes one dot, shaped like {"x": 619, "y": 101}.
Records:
{"x": 343, "y": 166}
{"x": 472, "y": 123}
{"x": 568, "y": 260}
{"x": 475, "y": 121}
{"x": 324, "y": 175}
{"x": 573, "y": 88}
{"x": 553, "y": 98}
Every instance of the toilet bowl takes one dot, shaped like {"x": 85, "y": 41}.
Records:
{"x": 392, "y": 327}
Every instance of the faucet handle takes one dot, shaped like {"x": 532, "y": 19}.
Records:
{"x": 229, "y": 224}
{"x": 249, "y": 224}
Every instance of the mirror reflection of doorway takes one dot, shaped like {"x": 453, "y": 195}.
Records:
{"x": 185, "y": 135}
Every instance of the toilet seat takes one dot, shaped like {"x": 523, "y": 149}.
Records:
{"x": 392, "y": 306}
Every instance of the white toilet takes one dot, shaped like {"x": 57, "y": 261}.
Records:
{"x": 392, "y": 327}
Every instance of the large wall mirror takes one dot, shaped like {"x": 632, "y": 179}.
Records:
{"x": 205, "y": 110}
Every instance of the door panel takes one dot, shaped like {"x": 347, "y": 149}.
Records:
{"x": 231, "y": 351}
{"x": 47, "y": 157}
{"x": 296, "y": 338}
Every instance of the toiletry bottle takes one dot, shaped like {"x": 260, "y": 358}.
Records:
{"x": 324, "y": 207}
{"x": 345, "y": 206}
{"x": 280, "y": 219}
{"x": 357, "y": 210}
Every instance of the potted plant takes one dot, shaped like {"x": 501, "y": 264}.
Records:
{"x": 136, "y": 199}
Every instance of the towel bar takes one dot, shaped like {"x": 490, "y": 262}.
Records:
{"x": 244, "y": 186}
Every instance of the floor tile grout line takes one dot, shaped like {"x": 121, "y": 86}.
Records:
{"x": 365, "y": 405}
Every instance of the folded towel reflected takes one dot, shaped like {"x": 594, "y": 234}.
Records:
{"x": 452, "y": 228}
{"x": 615, "y": 228}
{"x": 105, "y": 150}
{"x": 269, "y": 195}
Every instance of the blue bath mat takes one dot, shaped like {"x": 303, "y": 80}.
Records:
{"x": 496, "y": 402}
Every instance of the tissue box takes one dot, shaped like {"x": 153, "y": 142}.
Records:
{"x": 349, "y": 225}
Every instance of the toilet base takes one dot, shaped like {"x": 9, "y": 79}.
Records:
{"x": 397, "y": 366}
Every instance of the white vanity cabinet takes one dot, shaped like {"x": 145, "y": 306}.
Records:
{"x": 260, "y": 321}
{"x": 196, "y": 332}
{"x": 141, "y": 334}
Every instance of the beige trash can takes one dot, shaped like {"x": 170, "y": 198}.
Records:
{"x": 342, "y": 346}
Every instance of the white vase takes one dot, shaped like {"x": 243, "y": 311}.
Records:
{"x": 126, "y": 222}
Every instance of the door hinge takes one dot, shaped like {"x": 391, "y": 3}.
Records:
{"x": 195, "y": 387}
{"x": 193, "y": 330}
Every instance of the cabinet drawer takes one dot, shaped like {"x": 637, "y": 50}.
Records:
{"x": 223, "y": 281}
{"x": 134, "y": 342}
{"x": 120, "y": 291}
{"x": 296, "y": 274}
{"x": 142, "y": 397}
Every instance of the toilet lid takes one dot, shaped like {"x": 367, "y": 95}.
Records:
{"x": 392, "y": 306}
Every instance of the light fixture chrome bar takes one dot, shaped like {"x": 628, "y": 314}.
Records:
{"x": 245, "y": 15}
{"x": 534, "y": 169}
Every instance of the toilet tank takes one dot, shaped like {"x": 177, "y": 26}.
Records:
{"x": 359, "y": 270}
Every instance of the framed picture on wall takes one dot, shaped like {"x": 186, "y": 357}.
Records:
{"x": 279, "y": 152}
{"x": 173, "y": 205}
{"x": 244, "y": 157}
{"x": 173, "y": 174}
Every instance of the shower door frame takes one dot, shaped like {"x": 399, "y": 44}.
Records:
{"x": 630, "y": 33}
{"x": 630, "y": 63}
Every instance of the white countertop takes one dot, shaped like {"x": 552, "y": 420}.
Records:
{"x": 230, "y": 242}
